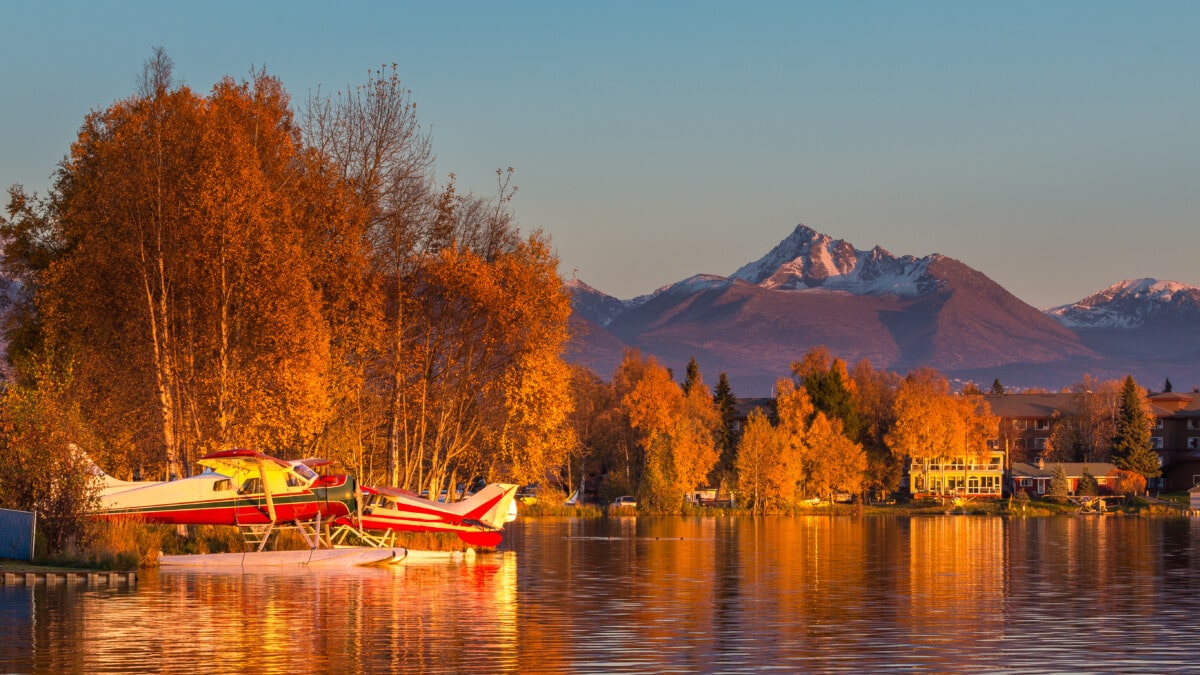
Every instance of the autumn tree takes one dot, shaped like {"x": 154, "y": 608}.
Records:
{"x": 183, "y": 289}
{"x": 1126, "y": 483}
{"x": 830, "y": 388}
{"x": 931, "y": 424}
{"x": 41, "y": 467}
{"x": 222, "y": 275}
{"x": 835, "y": 464}
{"x": 757, "y": 462}
{"x": 459, "y": 384}
{"x": 603, "y": 439}
{"x": 875, "y": 393}
{"x": 1131, "y": 449}
{"x": 795, "y": 412}
{"x": 676, "y": 432}
{"x": 1084, "y": 426}
{"x": 31, "y": 240}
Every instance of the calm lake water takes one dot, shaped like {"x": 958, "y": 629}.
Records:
{"x": 658, "y": 595}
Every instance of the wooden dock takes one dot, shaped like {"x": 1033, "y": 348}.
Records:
{"x": 87, "y": 578}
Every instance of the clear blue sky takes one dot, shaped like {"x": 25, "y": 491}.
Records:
{"x": 1054, "y": 146}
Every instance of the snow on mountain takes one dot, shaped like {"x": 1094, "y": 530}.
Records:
{"x": 1128, "y": 304}
{"x": 597, "y": 306}
{"x": 807, "y": 259}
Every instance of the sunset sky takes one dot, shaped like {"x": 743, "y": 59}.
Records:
{"x": 1054, "y": 146}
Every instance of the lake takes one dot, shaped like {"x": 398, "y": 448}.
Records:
{"x": 662, "y": 594}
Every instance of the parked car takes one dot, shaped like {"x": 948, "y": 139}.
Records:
{"x": 529, "y": 493}
{"x": 625, "y": 502}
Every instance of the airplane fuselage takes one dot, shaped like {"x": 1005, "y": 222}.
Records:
{"x": 213, "y": 499}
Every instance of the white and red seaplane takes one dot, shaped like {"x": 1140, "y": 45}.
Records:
{"x": 257, "y": 493}
{"x": 477, "y": 520}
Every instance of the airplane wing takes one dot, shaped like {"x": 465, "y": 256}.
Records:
{"x": 234, "y": 462}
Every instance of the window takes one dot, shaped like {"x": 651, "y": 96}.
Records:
{"x": 1026, "y": 482}
{"x": 1158, "y": 422}
{"x": 993, "y": 444}
{"x": 1041, "y": 425}
{"x": 1156, "y": 442}
{"x": 1194, "y": 423}
{"x": 1020, "y": 424}
{"x": 1193, "y": 443}
{"x": 1039, "y": 444}
{"x": 1019, "y": 443}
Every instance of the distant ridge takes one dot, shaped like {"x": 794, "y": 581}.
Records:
{"x": 899, "y": 312}
{"x": 1129, "y": 304}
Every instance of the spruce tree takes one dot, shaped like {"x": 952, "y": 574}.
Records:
{"x": 831, "y": 394}
{"x": 691, "y": 375}
{"x": 1167, "y": 386}
{"x": 997, "y": 388}
{"x": 1059, "y": 485}
{"x": 726, "y": 404}
{"x": 1088, "y": 485}
{"x": 1131, "y": 448}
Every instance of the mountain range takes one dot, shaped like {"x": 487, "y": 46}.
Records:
{"x": 898, "y": 312}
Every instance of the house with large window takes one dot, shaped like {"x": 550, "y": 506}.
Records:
{"x": 957, "y": 476}
{"x": 1034, "y": 479}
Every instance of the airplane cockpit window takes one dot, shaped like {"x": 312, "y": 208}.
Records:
{"x": 222, "y": 485}
{"x": 305, "y": 472}
{"x": 252, "y": 486}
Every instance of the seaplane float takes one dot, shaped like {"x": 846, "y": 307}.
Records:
{"x": 261, "y": 494}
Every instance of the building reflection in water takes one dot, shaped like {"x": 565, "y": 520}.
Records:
{"x": 641, "y": 594}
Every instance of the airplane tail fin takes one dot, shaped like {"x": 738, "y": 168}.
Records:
{"x": 492, "y": 506}
{"x": 108, "y": 484}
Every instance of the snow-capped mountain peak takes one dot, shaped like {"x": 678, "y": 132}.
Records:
{"x": 807, "y": 259}
{"x": 1128, "y": 304}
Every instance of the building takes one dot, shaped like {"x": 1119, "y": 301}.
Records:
{"x": 1176, "y": 438}
{"x": 1034, "y": 479}
{"x": 1027, "y": 421}
{"x": 958, "y": 476}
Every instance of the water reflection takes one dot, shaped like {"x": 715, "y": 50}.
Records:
{"x": 827, "y": 594}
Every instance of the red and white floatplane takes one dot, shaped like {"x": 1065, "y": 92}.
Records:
{"x": 260, "y": 494}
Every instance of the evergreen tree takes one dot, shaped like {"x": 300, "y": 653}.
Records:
{"x": 1059, "y": 485}
{"x": 726, "y": 404}
{"x": 691, "y": 375}
{"x": 1088, "y": 485}
{"x": 1167, "y": 386}
{"x": 828, "y": 383}
{"x": 997, "y": 388}
{"x": 1131, "y": 448}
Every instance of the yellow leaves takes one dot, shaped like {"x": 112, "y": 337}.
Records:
{"x": 676, "y": 433}
{"x": 932, "y": 423}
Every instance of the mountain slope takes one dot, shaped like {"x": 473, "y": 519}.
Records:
{"x": 1142, "y": 324}
{"x": 898, "y": 312}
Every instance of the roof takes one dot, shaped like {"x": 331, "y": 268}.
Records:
{"x": 1043, "y": 406}
{"x": 745, "y": 406}
{"x": 1032, "y": 406}
{"x": 1073, "y": 469}
{"x": 1172, "y": 403}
